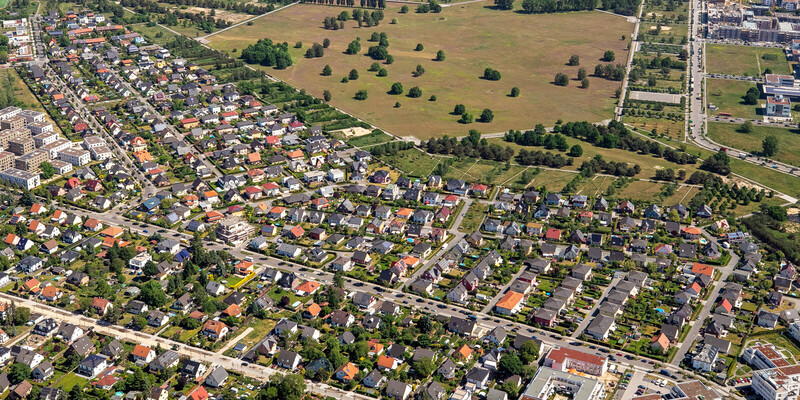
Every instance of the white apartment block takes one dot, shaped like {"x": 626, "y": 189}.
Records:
{"x": 32, "y": 116}
{"x": 548, "y": 380}
{"x": 8, "y": 112}
{"x": 45, "y": 138}
{"x": 18, "y": 177}
{"x": 56, "y": 147}
{"x": 40, "y": 127}
{"x": 101, "y": 152}
{"x": 91, "y": 142}
{"x": 61, "y": 167}
{"x": 782, "y": 383}
{"x": 76, "y": 157}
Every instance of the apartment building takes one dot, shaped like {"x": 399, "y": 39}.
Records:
{"x": 76, "y": 157}
{"x": 6, "y": 160}
{"x": 15, "y": 122}
{"x": 18, "y": 177}
{"x": 30, "y": 162}
{"x": 45, "y": 138}
{"x": 40, "y": 127}
{"x": 777, "y": 383}
{"x": 20, "y": 146}
{"x": 564, "y": 359}
{"x": 548, "y": 380}
{"x": 234, "y": 229}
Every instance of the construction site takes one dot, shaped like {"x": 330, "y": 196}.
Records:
{"x": 773, "y": 21}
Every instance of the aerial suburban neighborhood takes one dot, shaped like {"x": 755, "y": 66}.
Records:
{"x": 194, "y": 206}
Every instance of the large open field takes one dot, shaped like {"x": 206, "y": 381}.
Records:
{"x": 788, "y": 140}
{"x": 528, "y": 50}
{"x": 744, "y": 60}
{"x": 727, "y": 95}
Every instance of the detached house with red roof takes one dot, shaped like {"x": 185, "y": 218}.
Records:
{"x": 553, "y": 235}
{"x": 215, "y": 329}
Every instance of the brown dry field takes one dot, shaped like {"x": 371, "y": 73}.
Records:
{"x": 528, "y": 50}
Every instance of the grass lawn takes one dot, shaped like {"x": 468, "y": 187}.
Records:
{"x": 155, "y": 34}
{"x": 648, "y": 163}
{"x": 765, "y": 176}
{"x": 595, "y": 186}
{"x": 744, "y": 60}
{"x": 473, "y": 218}
{"x": 781, "y": 341}
{"x": 726, "y": 95}
{"x": 649, "y": 32}
{"x": 552, "y": 180}
{"x": 23, "y": 94}
{"x": 69, "y": 380}
{"x": 663, "y": 126}
{"x": 488, "y": 172}
{"x": 788, "y": 140}
{"x": 413, "y": 162}
{"x": 641, "y": 190}
{"x": 528, "y": 50}
{"x": 369, "y": 140}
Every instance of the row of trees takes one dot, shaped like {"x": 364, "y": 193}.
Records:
{"x": 349, "y": 3}
{"x": 469, "y": 147}
{"x": 553, "y": 6}
{"x": 614, "y": 72}
{"x": 616, "y": 135}
{"x": 598, "y": 164}
{"x": 235, "y": 6}
{"x": 546, "y": 159}
{"x": 390, "y": 148}
{"x": 267, "y": 53}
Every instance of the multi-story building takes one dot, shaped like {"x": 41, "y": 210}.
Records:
{"x": 91, "y": 142}
{"x": 21, "y": 146}
{"x": 564, "y": 359}
{"x": 101, "y": 152}
{"x": 15, "y": 122}
{"x": 691, "y": 390}
{"x": 40, "y": 127}
{"x": 61, "y": 167}
{"x": 32, "y": 116}
{"x": 18, "y": 177}
{"x": 6, "y": 160}
{"x": 45, "y": 138}
{"x": 30, "y": 162}
{"x": 56, "y": 147}
{"x": 763, "y": 356}
{"x": 9, "y": 112}
{"x": 12, "y": 134}
{"x": 777, "y": 383}
{"x": 547, "y": 381}
{"x": 234, "y": 229}
{"x": 705, "y": 359}
{"x": 76, "y": 157}
{"x": 778, "y": 107}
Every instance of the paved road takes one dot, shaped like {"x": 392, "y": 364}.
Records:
{"x": 590, "y": 314}
{"x": 457, "y": 236}
{"x": 629, "y": 63}
{"x": 697, "y": 114}
{"x": 708, "y": 305}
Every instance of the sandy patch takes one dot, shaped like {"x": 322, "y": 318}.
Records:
{"x": 663, "y": 28}
{"x": 222, "y": 14}
{"x": 350, "y": 133}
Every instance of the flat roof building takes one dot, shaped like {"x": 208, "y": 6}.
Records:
{"x": 18, "y": 177}
{"x": 548, "y": 380}
{"x": 76, "y": 157}
{"x": 20, "y": 146}
{"x": 30, "y": 162}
